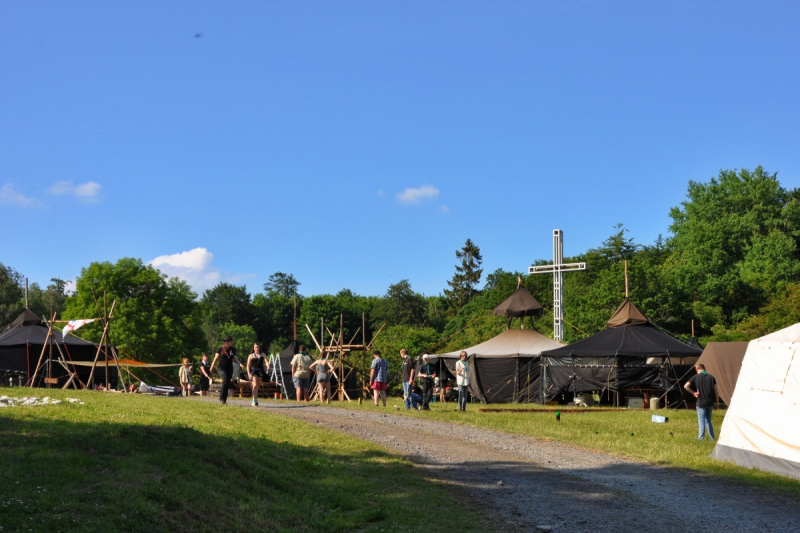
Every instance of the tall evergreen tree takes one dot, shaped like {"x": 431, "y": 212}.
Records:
{"x": 465, "y": 281}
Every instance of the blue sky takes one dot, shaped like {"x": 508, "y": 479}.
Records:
{"x": 354, "y": 144}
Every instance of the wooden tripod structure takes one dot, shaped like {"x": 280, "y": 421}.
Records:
{"x": 48, "y": 347}
{"x": 339, "y": 354}
{"x": 109, "y": 348}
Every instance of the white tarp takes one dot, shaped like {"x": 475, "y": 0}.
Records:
{"x": 761, "y": 429}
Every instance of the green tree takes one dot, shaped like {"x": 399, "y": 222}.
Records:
{"x": 400, "y": 306}
{"x": 281, "y": 284}
{"x": 222, "y": 304}
{"x": 464, "y": 284}
{"x": 51, "y": 300}
{"x": 11, "y": 294}
{"x": 243, "y": 339}
{"x": 417, "y": 340}
{"x": 735, "y": 245}
{"x": 154, "y": 317}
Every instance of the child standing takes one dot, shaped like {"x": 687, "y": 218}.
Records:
{"x": 185, "y": 375}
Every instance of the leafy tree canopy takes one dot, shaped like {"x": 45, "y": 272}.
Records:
{"x": 153, "y": 316}
{"x": 11, "y": 294}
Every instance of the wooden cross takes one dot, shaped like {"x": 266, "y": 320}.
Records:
{"x": 557, "y": 268}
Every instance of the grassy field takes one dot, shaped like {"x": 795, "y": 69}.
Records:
{"x": 623, "y": 432}
{"x": 142, "y": 463}
{"x": 132, "y": 462}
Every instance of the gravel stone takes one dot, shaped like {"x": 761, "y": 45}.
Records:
{"x": 525, "y": 484}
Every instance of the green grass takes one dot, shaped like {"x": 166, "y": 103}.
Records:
{"x": 622, "y": 432}
{"x": 136, "y": 462}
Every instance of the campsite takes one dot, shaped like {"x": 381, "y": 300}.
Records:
{"x": 363, "y": 266}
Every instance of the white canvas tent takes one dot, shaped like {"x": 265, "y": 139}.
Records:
{"x": 760, "y": 429}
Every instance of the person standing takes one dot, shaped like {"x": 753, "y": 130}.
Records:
{"x": 323, "y": 368}
{"x": 205, "y": 375}
{"x": 462, "y": 380}
{"x": 225, "y": 356}
{"x": 408, "y": 375}
{"x": 378, "y": 377}
{"x": 257, "y": 369}
{"x": 301, "y": 373}
{"x": 185, "y": 375}
{"x": 428, "y": 375}
{"x": 703, "y": 387}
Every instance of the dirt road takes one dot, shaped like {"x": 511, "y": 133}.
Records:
{"x": 529, "y": 485}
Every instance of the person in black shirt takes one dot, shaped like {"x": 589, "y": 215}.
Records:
{"x": 703, "y": 386}
{"x": 226, "y": 355}
{"x": 428, "y": 374}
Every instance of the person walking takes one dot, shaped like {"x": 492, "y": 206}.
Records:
{"x": 301, "y": 373}
{"x": 408, "y": 375}
{"x": 462, "y": 380}
{"x": 703, "y": 387}
{"x": 225, "y": 356}
{"x": 378, "y": 377}
{"x": 323, "y": 369}
{"x": 205, "y": 375}
{"x": 428, "y": 375}
{"x": 257, "y": 370}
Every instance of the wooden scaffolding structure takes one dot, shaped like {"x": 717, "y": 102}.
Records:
{"x": 339, "y": 356}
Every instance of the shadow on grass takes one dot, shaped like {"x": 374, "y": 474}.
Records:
{"x": 78, "y": 476}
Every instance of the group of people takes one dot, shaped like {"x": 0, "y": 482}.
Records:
{"x": 420, "y": 398}
{"x": 303, "y": 367}
{"x": 227, "y": 364}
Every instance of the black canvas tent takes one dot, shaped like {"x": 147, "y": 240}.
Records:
{"x": 616, "y": 358}
{"x": 21, "y": 346}
{"x": 505, "y": 368}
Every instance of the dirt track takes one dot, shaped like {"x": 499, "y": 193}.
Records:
{"x": 525, "y": 484}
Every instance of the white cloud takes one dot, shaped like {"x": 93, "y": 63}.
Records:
{"x": 444, "y": 209}
{"x": 10, "y": 196}
{"x": 195, "y": 267}
{"x": 417, "y": 195}
{"x": 88, "y": 192}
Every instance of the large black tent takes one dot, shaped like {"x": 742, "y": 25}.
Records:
{"x": 505, "y": 368}
{"x": 616, "y": 358}
{"x": 21, "y": 345}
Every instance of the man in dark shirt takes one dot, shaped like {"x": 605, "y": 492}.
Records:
{"x": 428, "y": 374}
{"x": 703, "y": 387}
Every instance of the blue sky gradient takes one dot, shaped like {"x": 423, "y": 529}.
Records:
{"x": 354, "y": 144}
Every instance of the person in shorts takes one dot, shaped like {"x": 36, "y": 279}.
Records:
{"x": 257, "y": 370}
{"x": 378, "y": 377}
{"x": 301, "y": 373}
{"x": 324, "y": 369}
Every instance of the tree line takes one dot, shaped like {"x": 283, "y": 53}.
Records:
{"x": 729, "y": 270}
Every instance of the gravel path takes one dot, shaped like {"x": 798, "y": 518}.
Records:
{"x": 529, "y": 485}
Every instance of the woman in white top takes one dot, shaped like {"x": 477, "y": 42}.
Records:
{"x": 462, "y": 380}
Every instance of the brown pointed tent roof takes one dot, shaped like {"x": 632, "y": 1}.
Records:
{"x": 520, "y": 304}
{"x": 26, "y": 318}
{"x": 626, "y": 314}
